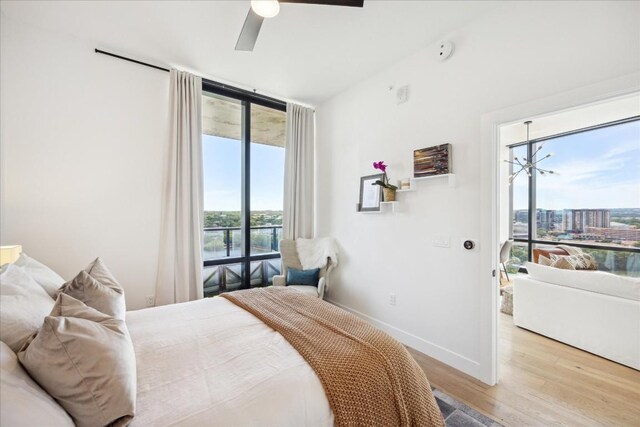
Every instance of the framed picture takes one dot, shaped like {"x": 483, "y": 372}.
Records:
{"x": 432, "y": 161}
{"x": 370, "y": 194}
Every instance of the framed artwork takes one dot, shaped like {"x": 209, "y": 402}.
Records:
{"x": 430, "y": 161}
{"x": 370, "y": 194}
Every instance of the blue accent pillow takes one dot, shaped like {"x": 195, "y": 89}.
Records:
{"x": 303, "y": 277}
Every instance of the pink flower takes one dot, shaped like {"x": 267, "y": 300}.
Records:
{"x": 380, "y": 165}
{"x": 384, "y": 182}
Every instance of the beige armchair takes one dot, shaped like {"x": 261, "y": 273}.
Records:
{"x": 290, "y": 259}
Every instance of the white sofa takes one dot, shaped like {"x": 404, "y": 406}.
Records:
{"x": 592, "y": 310}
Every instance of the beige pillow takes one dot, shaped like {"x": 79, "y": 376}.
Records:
{"x": 579, "y": 261}
{"x": 543, "y": 260}
{"x": 97, "y": 288}
{"x": 562, "y": 262}
{"x": 23, "y": 306}
{"x": 85, "y": 360}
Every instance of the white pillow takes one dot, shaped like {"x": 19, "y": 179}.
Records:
{"x": 24, "y": 403}
{"x": 43, "y": 275}
{"x": 588, "y": 280}
{"x": 23, "y": 306}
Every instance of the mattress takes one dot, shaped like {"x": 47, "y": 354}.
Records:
{"x": 208, "y": 362}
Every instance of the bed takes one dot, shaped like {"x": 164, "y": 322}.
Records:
{"x": 229, "y": 369}
{"x": 259, "y": 357}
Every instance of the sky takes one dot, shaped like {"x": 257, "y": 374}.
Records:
{"x": 596, "y": 169}
{"x": 223, "y": 175}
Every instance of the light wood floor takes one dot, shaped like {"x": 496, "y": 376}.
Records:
{"x": 544, "y": 383}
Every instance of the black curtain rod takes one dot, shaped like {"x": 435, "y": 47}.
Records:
{"x": 132, "y": 60}
{"x": 215, "y": 86}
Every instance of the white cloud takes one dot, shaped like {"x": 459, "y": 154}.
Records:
{"x": 622, "y": 150}
{"x": 584, "y": 184}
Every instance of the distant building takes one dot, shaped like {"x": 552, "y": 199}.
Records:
{"x": 545, "y": 219}
{"x": 576, "y": 220}
{"x": 521, "y": 216}
{"x": 632, "y": 234}
{"x": 520, "y": 230}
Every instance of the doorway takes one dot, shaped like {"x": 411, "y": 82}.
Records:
{"x": 495, "y": 206}
{"x": 590, "y": 207}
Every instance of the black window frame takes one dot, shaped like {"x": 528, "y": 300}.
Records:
{"x": 246, "y": 99}
{"x": 531, "y": 187}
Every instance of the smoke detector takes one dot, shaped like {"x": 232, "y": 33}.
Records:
{"x": 445, "y": 50}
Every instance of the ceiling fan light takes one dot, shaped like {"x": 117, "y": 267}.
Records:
{"x": 265, "y": 8}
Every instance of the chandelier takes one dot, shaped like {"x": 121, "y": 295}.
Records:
{"x": 528, "y": 165}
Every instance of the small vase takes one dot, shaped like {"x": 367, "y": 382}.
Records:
{"x": 389, "y": 195}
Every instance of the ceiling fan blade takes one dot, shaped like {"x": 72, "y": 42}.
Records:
{"x": 250, "y": 30}
{"x": 350, "y": 3}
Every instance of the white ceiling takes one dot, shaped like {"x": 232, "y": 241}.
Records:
{"x": 307, "y": 53}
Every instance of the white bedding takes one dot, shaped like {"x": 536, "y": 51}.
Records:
{"x": 209, "y": 362}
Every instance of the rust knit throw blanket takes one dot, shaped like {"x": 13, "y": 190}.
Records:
{"x": 369, "y": 378}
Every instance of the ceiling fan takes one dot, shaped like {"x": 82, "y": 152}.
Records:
{"x": 261, "y": 9}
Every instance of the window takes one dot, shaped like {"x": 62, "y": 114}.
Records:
{"x": 592, "y": 201}
{"x": 243, "y": 161}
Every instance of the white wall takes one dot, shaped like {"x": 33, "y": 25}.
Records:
{"x": 83, "y": 145}
{"x": 519, "y": 53}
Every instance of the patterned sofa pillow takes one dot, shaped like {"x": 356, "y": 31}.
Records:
{"x": 543, "y": 260}
{"x": 580, "y": 261}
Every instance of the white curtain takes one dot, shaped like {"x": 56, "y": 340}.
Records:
{"x": 180, "y": 262}
{"x": 298, "y": 173}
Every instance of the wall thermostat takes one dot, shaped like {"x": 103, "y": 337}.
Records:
{"x": 445, "y": 50}
{"x": 468, "y": 244}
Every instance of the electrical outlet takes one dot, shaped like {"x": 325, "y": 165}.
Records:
{"x": 151, "y": 300}
{"x": 392, "y": 299}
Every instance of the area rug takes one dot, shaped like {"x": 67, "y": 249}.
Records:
{"x": 457, "y": 414}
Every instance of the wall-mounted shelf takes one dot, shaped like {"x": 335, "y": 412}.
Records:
{"x": 451, "y": 179}
{"x": 395, "y": 206}
{"x": 384, "y": 207}
{"x": 389, "y": 206}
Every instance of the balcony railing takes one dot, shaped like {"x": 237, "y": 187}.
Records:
{"x": 224, "y": 265}
{"x": 226, "y": 242}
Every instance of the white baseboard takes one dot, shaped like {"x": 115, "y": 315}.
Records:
{"x": 442, "y": 354}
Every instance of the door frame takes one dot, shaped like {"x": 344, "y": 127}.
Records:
{"x": 490, "y": 186}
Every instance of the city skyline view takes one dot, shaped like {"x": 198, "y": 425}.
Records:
{"x": 624, "y": 221}
{"x": 592, "y": 170}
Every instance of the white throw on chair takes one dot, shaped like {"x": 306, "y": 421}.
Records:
{"x": 306, "y": 254}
